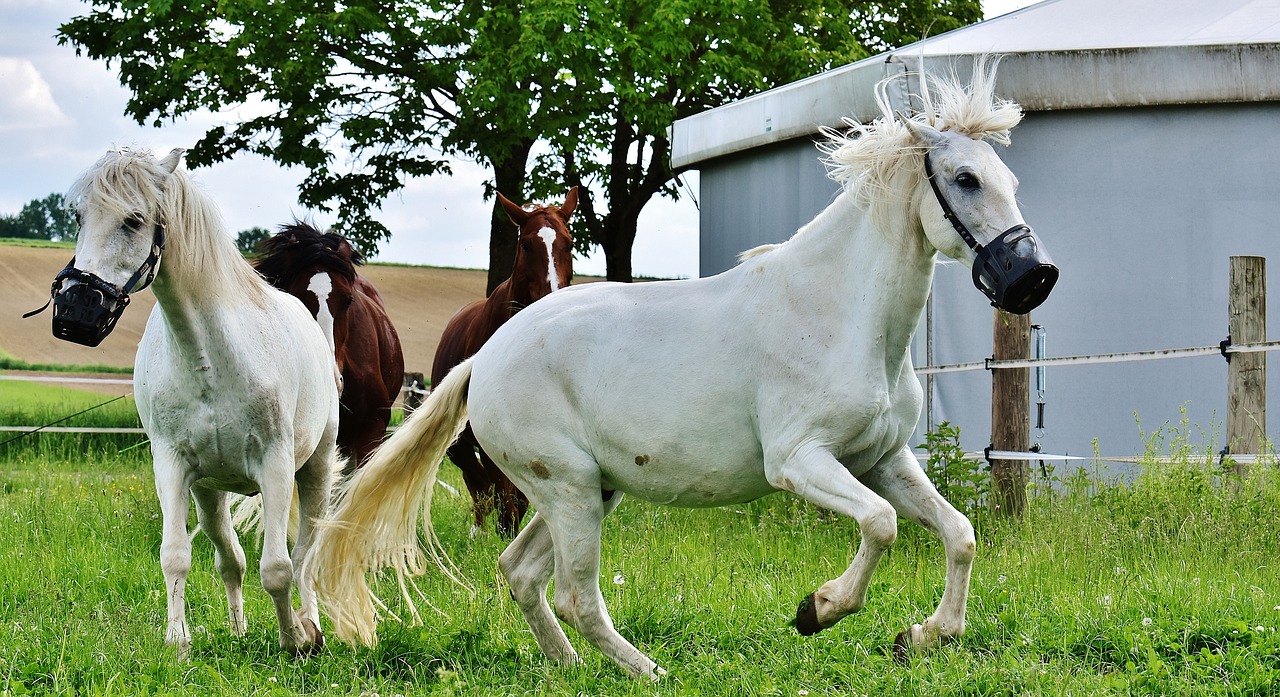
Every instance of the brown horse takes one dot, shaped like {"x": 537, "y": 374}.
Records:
{"x": 320, "y": 270}
{"x": 544, "y": 263}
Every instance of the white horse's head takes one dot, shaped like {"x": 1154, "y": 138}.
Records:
{"x": 969, "y": 212}
{"x": 119, "y": 209}
{"x": 936, "y": 171}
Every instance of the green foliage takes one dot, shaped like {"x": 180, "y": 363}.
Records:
{"x": 48, "y": 218}
{"x": 366, "y": 94}
{"x": 962, "y": 481}
{"x": 247, "y": 241}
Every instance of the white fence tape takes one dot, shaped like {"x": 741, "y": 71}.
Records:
{"x": 1244, "y": 459}
{"x": 1095, "y": 358}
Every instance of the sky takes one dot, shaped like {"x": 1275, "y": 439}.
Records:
{"x": 59, "y": 113}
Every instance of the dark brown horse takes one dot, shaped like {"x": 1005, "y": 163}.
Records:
{"x": 544, "y": 263}
{"x": 320, "y": 270}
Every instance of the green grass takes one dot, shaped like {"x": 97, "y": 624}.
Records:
{"x": 36, "y": 404}
{"x": 25, "y": 242}
{"x": 9, "y": 362}
{"x": 1164, "y": 587}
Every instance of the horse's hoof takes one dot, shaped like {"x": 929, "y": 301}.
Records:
{"x": 313, "y": 643}
{"x": 314, "y": 634}
{"x": 806, "y": 622}
{"x": 902, "y": 646}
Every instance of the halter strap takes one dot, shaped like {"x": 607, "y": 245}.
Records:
{"x": 947, "y": 211}
{"x": 149, "y": 267}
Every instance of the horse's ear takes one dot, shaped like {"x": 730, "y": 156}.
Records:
{"x": 570, "y": 203}
{"x": 924, "y": 133}
{"x": 517, "y": 214}
{"x": 170, "y": 161}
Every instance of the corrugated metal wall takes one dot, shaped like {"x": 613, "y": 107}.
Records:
{"x": 1140, "y": 207}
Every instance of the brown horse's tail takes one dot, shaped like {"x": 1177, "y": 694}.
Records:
{"x": 374, "y": 524}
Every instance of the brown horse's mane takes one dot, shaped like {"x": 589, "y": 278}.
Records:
{"x": 299, "y": 247}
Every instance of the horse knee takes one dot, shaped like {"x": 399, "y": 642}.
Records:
{"x": 960, "y": 539}
{"x": 175, "y": 557}
{"x": 277, "y": 576}
{"x": 880, "y": 526}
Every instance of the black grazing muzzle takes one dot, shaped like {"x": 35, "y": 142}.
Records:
{"x": 86, "y": 311}
{"x": 1013, "y": 271}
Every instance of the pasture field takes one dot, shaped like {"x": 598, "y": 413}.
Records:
{"x": 1169, "y": 586}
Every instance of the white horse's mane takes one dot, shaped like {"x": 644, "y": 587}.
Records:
{"x": 880, "y": 163}
{"x": 198, "y": 252}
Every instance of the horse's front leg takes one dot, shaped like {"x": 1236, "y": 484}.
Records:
{"x": 315, "y": 483}
{"x": 173, "y": 489}
{"x": 817, "y": 476}
{"x": 276, "y": 567}
{"x": 903, "y": 483}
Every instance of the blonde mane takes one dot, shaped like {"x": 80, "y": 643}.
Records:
{"x": 880, "y": 163}
{"x": 198, "y": 252}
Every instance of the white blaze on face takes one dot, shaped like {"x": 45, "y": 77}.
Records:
{"x": 321, "y": 286}
{"x": 549, "y": 237}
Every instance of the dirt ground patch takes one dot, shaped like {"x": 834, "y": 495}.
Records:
{"x": 419, "y": 299}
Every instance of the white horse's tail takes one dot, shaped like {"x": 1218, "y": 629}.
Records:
{"x": 374, "y": 524}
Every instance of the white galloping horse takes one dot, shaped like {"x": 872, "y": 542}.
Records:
{"x": 790, "y": 372}
{"x": 234, "y": 381}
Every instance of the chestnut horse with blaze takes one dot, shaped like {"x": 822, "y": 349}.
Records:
{"x": 320, "y": 270}
{"x": 544, "y": 264}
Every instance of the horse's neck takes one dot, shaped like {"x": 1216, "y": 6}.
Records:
{"x": 195, "y": 287}
{"x": 860, "y": 276}
{"x": 518, "y": 285}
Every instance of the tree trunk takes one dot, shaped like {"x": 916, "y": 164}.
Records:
{"x": 1010, "y": 412}
{"x": 508, "y": 179}
{"x": 619, "y": 236}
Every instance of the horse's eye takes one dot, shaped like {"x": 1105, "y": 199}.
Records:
{"x": 967, "y": 180}
{"x": 133, "y": 221}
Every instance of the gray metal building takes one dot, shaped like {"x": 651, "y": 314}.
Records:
{"x": 1147, "y": 157}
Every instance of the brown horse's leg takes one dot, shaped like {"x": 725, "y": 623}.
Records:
{"x": 474, "y": 474}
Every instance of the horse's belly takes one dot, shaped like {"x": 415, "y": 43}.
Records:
{"x": 711, "y": 479}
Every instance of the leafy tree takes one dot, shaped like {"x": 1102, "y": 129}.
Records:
{"x": 247, "y": 240}
{"x": 366, "y": 94}
{"x": 46, "y": 218}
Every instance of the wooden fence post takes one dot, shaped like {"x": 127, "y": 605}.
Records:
{"x": 1010, "y": 412}
{"x": 1247, "y": 372}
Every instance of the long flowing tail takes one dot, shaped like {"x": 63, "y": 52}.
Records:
{"x": 374, "y": 524}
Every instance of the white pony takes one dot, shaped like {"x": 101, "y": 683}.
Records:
{"x": 790, "y": 372}
{"x": 234, "y": 380}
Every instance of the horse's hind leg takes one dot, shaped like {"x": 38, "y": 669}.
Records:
{"x": 575, "y": 522}
{"x": 509, "y": 502}
{"x": 175, "y": 546}
{"x": 528, "y": 564}
{"x": 903, "y": 484}
{"x": 214, "y": 513}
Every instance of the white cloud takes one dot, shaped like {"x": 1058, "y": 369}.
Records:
{"x": 26, "y": 102}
